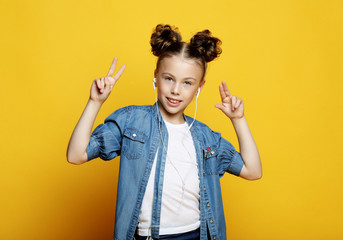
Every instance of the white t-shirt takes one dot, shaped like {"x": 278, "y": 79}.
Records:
{"x": 180, "y": 208}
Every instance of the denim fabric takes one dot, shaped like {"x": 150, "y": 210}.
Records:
{"x": 134, "y": 133}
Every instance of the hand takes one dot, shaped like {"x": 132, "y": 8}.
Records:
{"x": 231, "y": 106}
{"x": 102, "y": 87}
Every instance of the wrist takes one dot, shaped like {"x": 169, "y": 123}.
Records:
{"x": 238, "y": 120}
{"x": 94, "y": 103}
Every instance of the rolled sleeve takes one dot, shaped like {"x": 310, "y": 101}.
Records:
{"x": 92, "y": 149}
{"x": 105, "y": 141}
{"x": 236, "y": 164}
{"x": 230, "y": 160}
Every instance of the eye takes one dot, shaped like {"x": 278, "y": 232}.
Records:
{"x": 187, "y": 83}
{"x": 169, "y": 79}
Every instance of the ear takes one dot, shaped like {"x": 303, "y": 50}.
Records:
{"x": 202, "y": 84}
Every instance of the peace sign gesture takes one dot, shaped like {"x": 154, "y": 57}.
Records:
{"x": 102, "y": 87}
{"x": 231, "y": 106}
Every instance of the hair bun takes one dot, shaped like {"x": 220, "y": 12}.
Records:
{"x": 207, "y": 45}
{"x": 163, "y": 37}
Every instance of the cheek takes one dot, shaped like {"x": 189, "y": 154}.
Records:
{"x": 190, "y": 94}
{"x": 164, "y": 86}
{"x": 161, "y": 88}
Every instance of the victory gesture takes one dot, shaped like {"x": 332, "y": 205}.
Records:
{"x": 102, "y": 87}
{"x": 232, "y": 106}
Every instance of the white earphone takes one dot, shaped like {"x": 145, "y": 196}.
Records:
{"x": 154, "y": 83}
{"x": 198, "y": 92}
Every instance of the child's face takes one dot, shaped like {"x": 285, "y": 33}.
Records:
{"x": 178, "y": 81}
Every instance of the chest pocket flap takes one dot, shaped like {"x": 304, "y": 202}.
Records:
{"x": 135, "y": 135}
{"x": 133, "y": 142}
{"x": 210, "y": 160}
{"x": 210, "y": 152}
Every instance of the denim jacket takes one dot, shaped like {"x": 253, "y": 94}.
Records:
{"x": 133, "y": 132}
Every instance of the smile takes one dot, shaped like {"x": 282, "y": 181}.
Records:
{"x": 174, "y": 102}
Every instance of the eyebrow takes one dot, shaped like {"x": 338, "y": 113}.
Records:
{"x": 184, "y": 78}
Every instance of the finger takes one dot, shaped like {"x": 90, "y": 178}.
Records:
{"x": 226, "y": 100}
{"x": 98, "y": 83}
{"x": 234, "y": 101}
{"x": 102, "y": 81}
{"x": 222, "y": 93}
{"x": 226, "y": 89}
{"x": 238, "y": 102}
{"x": 119, "y": 73}
{"x": 108, "y": 83}
{"x": 113, "y": 67}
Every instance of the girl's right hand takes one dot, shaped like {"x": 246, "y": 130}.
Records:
{"x": 102, "y": 87}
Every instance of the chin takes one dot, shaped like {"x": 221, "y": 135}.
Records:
{"x": 172, "y": 110}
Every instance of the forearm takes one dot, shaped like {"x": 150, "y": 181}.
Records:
{"x": 76, "y": 152}
{"x": 248, "y": 148}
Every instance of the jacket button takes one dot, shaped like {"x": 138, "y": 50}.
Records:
{"x": 211, "y": 221}
{"x": 208, "y": 204}
{"x": 204, "y": 189}
{"x": 214, "y": 238}
{"x": 134, "y": 135}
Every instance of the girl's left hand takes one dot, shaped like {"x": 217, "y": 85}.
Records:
{"x": 231, "y": 106}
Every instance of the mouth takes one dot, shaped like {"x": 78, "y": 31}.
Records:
{"x": 174, "y": 102}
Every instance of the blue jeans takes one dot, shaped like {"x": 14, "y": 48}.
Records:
{"x": 193, "y": 235}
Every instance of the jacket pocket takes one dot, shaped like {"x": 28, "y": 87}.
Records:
{"x": 133, "y": 142}
{"x": 210, "y": 160}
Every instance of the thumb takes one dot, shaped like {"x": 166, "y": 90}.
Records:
{"x": 220, "y": 106}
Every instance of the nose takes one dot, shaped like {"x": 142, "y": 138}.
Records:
{"x": 175, "y": 89}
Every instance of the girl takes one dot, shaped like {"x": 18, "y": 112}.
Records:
{"x": 170, "y": 165}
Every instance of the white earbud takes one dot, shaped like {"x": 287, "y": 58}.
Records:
{"x": 198, "y": 92}
{"x": 153, "y": 83}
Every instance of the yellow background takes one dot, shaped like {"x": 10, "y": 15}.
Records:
{"x": 283, "y": 58}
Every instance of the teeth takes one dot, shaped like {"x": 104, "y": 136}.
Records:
{"x": 173, "y": 101}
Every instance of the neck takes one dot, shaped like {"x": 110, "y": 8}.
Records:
{"x": 171, "y": 118}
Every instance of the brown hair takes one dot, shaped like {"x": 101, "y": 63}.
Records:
{"x": 166, "y": 41}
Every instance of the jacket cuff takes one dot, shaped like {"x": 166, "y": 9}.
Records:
{"x": 92, "y": 149}
{"x": 236, "y": 164}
